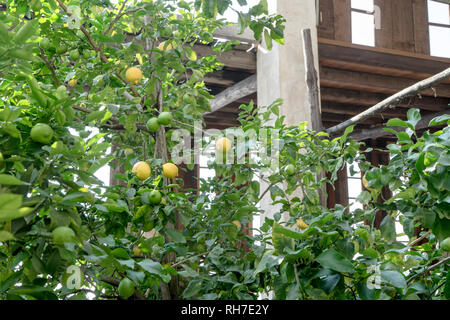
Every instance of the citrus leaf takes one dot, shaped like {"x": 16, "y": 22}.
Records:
{"x": 10, "y": 180}
{"x": 190, "y": 54}
{"x": 394, "y": 278}
{"x": 176, "y": 236}
{"x": 10, "y": 201}
{"x": 331, "y": 259}
{"x": 5, "y": 236}
{"x": 8, "y": 215}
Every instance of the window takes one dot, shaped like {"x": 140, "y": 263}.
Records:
{"x": 363, "y": 22}
{"x": 439, "y": 28}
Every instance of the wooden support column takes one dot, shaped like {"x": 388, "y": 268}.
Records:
{"x": 403, "y": 26}
{"x": 325, "y": 28}
{"x": 383, "y": 36}
{"x": 342, "y": 20}
{"x": 421, "y": 29}
{"x": 338, "y": 194}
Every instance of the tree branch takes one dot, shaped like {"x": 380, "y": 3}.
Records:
{"x": 434, "y": 266}
{"x": 116, "y": 124}
{"x": 50, "y": 66}
{"x": 119, "y": 15}
{"x": 98, "y": 49}
{"x": 392, "y": 100}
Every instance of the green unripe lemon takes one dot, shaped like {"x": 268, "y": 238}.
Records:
{"x": 42, "y": 133}
{"x": 290, "y": 170}
{"x": 36, "y": 5}
{"x": 61, "y": 93}
{"x": 165, "y": 118}
{"x": 62, "y": 235}
{"x": 45, "y": 44}
{"x": 155, "y": 197}
{"x": 74, "y": 55}
{"x": 445, "y": 245}
{"x": 153, "y": 124}
{"x": 126, "y": 288}
{"x": 60, "y": 49}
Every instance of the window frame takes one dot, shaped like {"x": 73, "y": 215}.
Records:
{"x": 435, "y": 24}
{"x": 365, "y": 12}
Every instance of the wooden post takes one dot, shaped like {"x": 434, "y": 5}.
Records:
{"x": 312, "y": 82}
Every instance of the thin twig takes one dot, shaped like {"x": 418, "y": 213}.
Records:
{"x": 414, "y": 242}
{"x": 187, "y": 259}
{"x": 119, "y": 15}
{"x": 49, "y": 65}
{"x": 434, "y": 266}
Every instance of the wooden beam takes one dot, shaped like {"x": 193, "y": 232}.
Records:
{"x": 233, "y": 59}
{"x": 352, "y": 110}
{"x": 381, "y": 57}
{"x": 383, "y": 105}
{"x": 312, "y": 82}
{"x": 364, "y": 99}
{"x": 367, "y": 68}
{"x": 231, "y": 33}
{"x": 352, "y": 80}
{"x": 379, "y": 132}
{"x": 238, "y": 91}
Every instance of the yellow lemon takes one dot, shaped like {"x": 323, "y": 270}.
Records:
{"x": 237, "y": 223}
{"x": 170, "y": 170}
{"x": 366, "y": 183}
{"x": 163, "y": 47}
{"x": 134, "y": 75}
{"x": 128, "y": 151}
{"x": 73, "y": 82}
{"x": 223, "y": 145}
{"x": 142, "y": 170}
{"x": 137, "y": 251}
{"x": 301, "y": 224}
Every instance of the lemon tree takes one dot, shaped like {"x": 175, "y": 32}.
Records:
{"x": 104, "y": 82}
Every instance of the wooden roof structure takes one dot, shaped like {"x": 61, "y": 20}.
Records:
{"x": 352, "y": 77}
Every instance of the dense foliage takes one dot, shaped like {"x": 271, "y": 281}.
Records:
{"x": 64, "y": 66}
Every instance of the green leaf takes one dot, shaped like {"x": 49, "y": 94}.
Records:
{"x": 267, "y": 261}
{"x": 439, "y": 120}
{"x": 413, "y": 116}
{"x": 278, "y": 229}
{"x": 387, "y": 228}
{"x": 394, "y": 278}
{"x": 176, "y": 236}
{"x": 333, "y": 260}
{"x": 268, "y": 39}
{"x": 190, "y": 54}
{"x": 447, "y": 287}
{"x": 192, "y": 289}
{"x": 154, "y": 268}
{"x": 6, "y": 236}
{"x": 441, "y": 228}
{"x": 8, "y": 215}
{"x": 10, "y": 201}
{"x": 398, "y": 123}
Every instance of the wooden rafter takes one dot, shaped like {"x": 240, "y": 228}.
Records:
{"x": 392, "y": 100}
{"x": 238, "y": 91}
